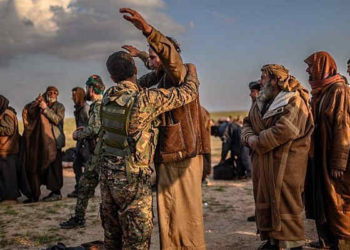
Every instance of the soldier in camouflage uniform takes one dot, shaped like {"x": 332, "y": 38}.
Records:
{"x": 129, "y": 135}
{"x": 90, "y": 177}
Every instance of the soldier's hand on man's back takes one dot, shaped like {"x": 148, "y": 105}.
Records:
{"x": 136, "y": 19}
{"x": 337, "y": 174}
{"x": 134, "y": 52}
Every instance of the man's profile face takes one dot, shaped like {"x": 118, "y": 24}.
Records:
{"x": 74, "y": 97}
{"x": 154, "y": 61}
{"x": 309, "y": 70}
{"x": 254, "y": 94}
{"x": 88, "y": 93}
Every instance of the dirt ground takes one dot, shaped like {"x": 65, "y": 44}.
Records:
{"x": 226, "y": 205}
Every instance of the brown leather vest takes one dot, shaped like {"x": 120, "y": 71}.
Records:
{"x": 10, "y": 144}
{"x": 182, "y": 134}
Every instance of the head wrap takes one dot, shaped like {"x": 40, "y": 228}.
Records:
{"x": 324, "y": 73}
{"x": 254, "y": 85}
{"x": 52, "y": 88}
{"x": 323, "y": 65}
{"x": 96, "y": 83}
{"x": 286, "y": 81}
{"x": 4, "y": 103}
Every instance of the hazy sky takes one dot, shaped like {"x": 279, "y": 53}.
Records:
{"x": 62, "y": 42}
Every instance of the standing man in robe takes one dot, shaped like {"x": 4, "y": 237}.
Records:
{"x": 179, "y": 164}
{"x": 328, "y": 177}
{"x": 81, "y": 115}
{"x": 278, "y": 131}
{"x": 44, "y": 139}
{"x": 9, "y": 148}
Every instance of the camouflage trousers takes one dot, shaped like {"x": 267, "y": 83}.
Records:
{"x": 86, "y": 189}
{"x": 126, "y": 210}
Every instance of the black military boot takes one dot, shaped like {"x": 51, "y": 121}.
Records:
{"x": 73, "y": 222}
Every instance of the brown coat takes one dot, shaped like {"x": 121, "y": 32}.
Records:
{"x": 279, "y": 165}
{"x": 9, "y": 142}
{"x": 40, "y": 146}
{"x": 182, "y": 129}
{"x": 331, "y": 151}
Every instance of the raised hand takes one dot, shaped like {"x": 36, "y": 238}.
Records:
{"x": 136, "y": 19}
{"x": 134, "y": 52}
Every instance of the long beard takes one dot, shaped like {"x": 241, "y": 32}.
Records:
{"x": 50, "y": 100}
{"x": 266, "y": 93}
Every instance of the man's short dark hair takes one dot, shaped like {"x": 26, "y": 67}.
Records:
{"x": 348, "y": 62}
{"x": 120, "y": 66}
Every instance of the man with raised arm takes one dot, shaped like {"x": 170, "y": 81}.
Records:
{"x": 183, "y": 139}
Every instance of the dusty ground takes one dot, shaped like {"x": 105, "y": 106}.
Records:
{"x": 227, "y": 204}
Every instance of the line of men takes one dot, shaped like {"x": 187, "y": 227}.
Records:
{"x": 128, "y": 128}
{"x": 300, "y": 155}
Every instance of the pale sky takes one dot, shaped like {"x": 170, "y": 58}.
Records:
{"x": 62, "y": 42}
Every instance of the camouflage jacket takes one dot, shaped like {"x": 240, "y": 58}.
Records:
{"x": 144, "y": 122}
{"x": 55, "y": 114}
{"x": 94, "y": 124}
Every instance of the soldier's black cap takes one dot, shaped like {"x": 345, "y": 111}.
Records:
{"x": 254, "y": 85}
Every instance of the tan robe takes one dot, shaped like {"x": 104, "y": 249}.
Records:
{"x": 332, "y": 144}
{"x": 180, "y": 204}
{"x": 279, "y": 164}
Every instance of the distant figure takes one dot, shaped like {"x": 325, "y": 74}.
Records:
{"x": 44, "y": 138}
{"x": 9, "y": 148}
{"x": 206, "y": 156}
{"x": 254, "y": 87}
{"x": 82, "y": 148}
{"x": 254, "y": 90}
{"x": 231, "y": 142}
{"x": 222, "y": 125}
{"x": 278, "y": 131}
{"x": 328, "y": 180}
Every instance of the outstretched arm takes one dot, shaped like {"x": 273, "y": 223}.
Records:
{"x": 171, "y": 59}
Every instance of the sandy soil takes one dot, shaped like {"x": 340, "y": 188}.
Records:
{"x": 227, "y": 204}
